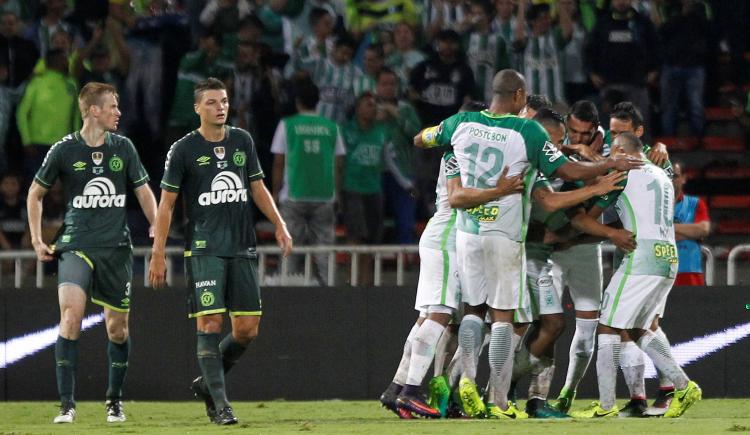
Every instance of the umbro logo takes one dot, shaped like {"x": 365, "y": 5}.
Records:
{"x": 203, "y": 160}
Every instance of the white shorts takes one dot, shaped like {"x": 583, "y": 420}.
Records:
{"x": 663, "y": 304}
{"x": 580, "y": 269}
{"x": 492, "y": 271}
{"x": 633, "y": 301}
{"x": 542, "y": 296}
{"x": 438, "y": 279}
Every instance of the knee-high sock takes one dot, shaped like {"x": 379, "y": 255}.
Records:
{"x": 66, "y": 359}
{"x": 445, "y": 350}
{"x": 231, "y": 351}
{"x": 541, "y": 378}
{"x": 664, "y": 382}
{"x": 455, "y": 369}
{"x": 657, "y": 348}
{"x": 209, "y": 360}
{"x": 118, "y": 367}
{"x": 423, "y": 351}
{"x": 501, "y": 362}
{"x": 633, "y": 368}
{"x": 607, "y": 361}
{"x": 581, "y": 352}
{"x": 403, "y": 366}
{"x": 470, "y": 336}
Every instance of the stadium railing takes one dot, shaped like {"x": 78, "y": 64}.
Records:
{"x": 732, "y": 263}
{"x": 379, "y": 253}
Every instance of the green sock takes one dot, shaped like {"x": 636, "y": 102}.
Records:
{"x": 209, "y": 360}
{"x": 231, "y": 351}
{"x": 66, "y": 357}
{"x": 118, "y": 367}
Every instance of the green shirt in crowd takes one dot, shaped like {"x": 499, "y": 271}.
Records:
{"x": 48, "y": 109}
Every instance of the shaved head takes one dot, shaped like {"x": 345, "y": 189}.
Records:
{"x": 628, "y": 142}
{"x": 507, "y": 82}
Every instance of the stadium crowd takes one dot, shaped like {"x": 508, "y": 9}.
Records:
{"x": 413, "y": 62}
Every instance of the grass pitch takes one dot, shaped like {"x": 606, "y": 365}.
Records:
{"x": 705, "y": 417}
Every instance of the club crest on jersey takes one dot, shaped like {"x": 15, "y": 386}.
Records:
{"x": 225, "y": 187}
{"x": 219, "y": 151}
{"x": 97, "y": 157}
{"x": 551, "y": 151}
{"x": 99, "y": 192}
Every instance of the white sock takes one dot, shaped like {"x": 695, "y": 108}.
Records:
{"x": 607, "y": 361}
{"x": 541, "y": 379}
{"x": 581, "y": 352}
{"x": 423, "y": 350}
{"x": 446, "y": 348}
{"x": 470, "y": 338}
{"x": 657, "y": 348}
{"x": 403, "y": 366}
{"x": 633, "y": 368}
{"x": 664, "y": 382}
{"x": 501, "y": 362}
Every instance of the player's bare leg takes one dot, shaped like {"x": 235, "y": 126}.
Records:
{"x": 118, "y": 350}
{"x": 542, "y": 364}
{"x": 72, "y": 301}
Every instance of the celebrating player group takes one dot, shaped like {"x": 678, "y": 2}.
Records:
{"x": 524, "y": 199}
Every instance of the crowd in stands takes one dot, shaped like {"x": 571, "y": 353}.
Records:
{"x": 383, "y": 70}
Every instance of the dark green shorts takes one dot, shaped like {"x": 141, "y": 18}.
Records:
{"x": 103, "y": 273}
{"x": 218, "y": 284}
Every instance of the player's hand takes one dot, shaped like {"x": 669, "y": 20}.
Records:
{"x": 157, "y": 271}
{"x": 43, "y": 252}
{"x": 623, "y": 239}
{"x": 284, "y": 239}
{"x": 597, "y": 80}
{"x": 623, "y": 162}
{"x": 608, "y": 183}
{"x": 587, "y": 152}
{"x": 658, "y": 154}
{"x": 509, "y": 185}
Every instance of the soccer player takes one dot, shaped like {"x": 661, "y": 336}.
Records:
{"x": 635, "y": 296}
{"x": 94, "y": 254}
{"x": 489, "y": 239}
{"x": 216, "y": 167}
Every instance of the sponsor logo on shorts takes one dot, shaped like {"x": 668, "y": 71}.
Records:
{"x": 207, "y": 298}
{"x": 99, "y": 192}
{"x": 207, "y": 283}
{"x": 116, "y": 164}
{"x": 125, "y": 302}
{"x": 225, "y": 187}
{"x": 79, "y": 166}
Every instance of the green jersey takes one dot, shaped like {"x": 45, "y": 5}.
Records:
{"x": 214, "y": 178}
{"x": 364, "y": 157}
{"x": 310, "y": 144}
{"x": 487, "y": 54}
{"x": 484, "y": 143}
{"x": 95, "y": 182}
{"x": 542, "y": 66}
{"x": 540, "y": 220}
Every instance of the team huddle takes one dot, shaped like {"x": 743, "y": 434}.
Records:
{"x": 517, "y": 221}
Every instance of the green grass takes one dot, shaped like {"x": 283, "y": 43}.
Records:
{"x": 706, "y": 417}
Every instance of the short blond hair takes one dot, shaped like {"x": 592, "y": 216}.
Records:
{"x": 91, "y": 95}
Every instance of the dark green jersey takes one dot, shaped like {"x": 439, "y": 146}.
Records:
{"x": 95, "y": 182}
{"x": 214, "y": 180}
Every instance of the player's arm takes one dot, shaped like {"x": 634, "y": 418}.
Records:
{"x": 571, "y": 171}
{"x": 553, "y": 201}
{"x": 147, "y": 201}
{"x": 277, "y": 174}
{"x": 466, "y": 197}
{"x": 263, "y": 199}
{"x": 34, "y": 212}
{"x": 696, "y": 231}
{"x": 658, "y": 154}
{"x": 157, "y": 269}
{"x": 587, "y": 222}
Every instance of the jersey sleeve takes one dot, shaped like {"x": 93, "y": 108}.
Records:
{"x": 174, "y": 169}
{"x": 452, "y": 170}
{"x": 50, "y": 169}
{"x": 137, "y": 175}
{"x": 701, "y": 212}
{"x": 542, "y": 153}
{"x": 278, "y": 145}
{"x": 441, "y": 134}
{"x": 254, "y": 171}
{"x": 541, "y": 182}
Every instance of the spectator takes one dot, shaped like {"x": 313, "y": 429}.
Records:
{"x": 335, "y": 77}
{"x": 534, "y": 103}
{"x": 404, "y": 57}
{"x": 225, "y": 15}
{"x": 17, "y": 52}
{"x": 401, "y": 120}
{"x": 685, "y": 34}
{"x": 13, "y": 227}
{"x": 365, "y": 16}
{"x": 48, "y": 111}
{"x": 302, "y": 25}
{"x": 573, "y": 72}
{"x": 100, "y": 62}
{"x": 439, "y": 86}
{"x": 486, "y": 51}
{"x": 691, "y": 226}
{"x": 621, "y": 53}
{"x": 60, "y": 40}
{"x": 8, "y": 100}
{"x": 317, "y": 44}
{"x": 277, "y": 29}
{"x": 52, "y": 21}
{"x": 308, "y": 157}
{"x": 195, "y": 66}
{"x": 542, "y": 52}
{"x": 12, "y": 6}
{"x": 441, "y": 15}
{"x": 372, "y": 63}
{"x": 504, "y": 24}
{"x": 365, "y": 140}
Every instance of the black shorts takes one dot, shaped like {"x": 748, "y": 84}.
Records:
{"x": 103, "y": 273}
{"x": 218, "y": 284}
{"x": 363, "y": 217}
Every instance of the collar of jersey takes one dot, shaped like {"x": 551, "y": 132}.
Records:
{"x": 79, "y": 138}
{"x": 489, "y": 114}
